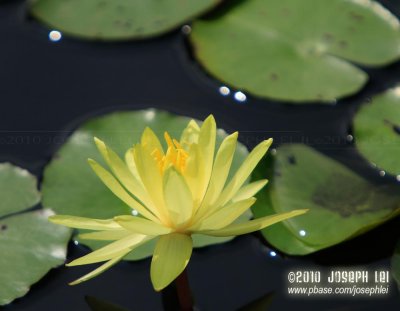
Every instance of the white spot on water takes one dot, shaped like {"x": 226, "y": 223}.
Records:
{"x": 224, "y": 90}
{"x": 55, "y": 36}
{"x": 382, "y": 173}
{"x": 349, "y": 137}
{"x": 186, "y": 29}
{"x": 240, "y": 97}
{"x": 272, "y": 253}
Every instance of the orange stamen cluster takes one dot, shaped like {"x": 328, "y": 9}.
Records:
{"x": 175, "y": 155}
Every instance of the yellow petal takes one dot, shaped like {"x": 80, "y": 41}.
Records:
{"x": 84, "y": 223}
{"x": 111, "y": 250}
{"x": 193, "y": 170}
{"x": 220, "y": 171}
{"x": 111, "y": 235}
{"x": 178, "y": 198}
{"x": 124, "y": 175}
{"x": 190, "y": 134}
{"x": 224, "y": 216}
{"x": 140, "y": 225}
{"x": 119, "y": 191}
{"x": 130, "y": 162}
{"x": 150, "y": 141}
{"x": 243, "y": 172}
{"x": 171, "y": 256}
{"x": 249, "y": 190}
{"x": 152, "y": 180}
{"x": 252, "y": 225}
{"x": 100, "y": 269}
{"x": 207, "y": 147}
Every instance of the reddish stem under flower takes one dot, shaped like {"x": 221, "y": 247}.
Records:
{"x": 184, "y": 292}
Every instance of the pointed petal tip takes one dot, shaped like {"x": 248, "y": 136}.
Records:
{"x": 210, "y": 119}
{"x": 99, "y": 143}
{"x": 234, "y": 135}
{"x": 268, "y": 142}
{"x": 91, "y": 161}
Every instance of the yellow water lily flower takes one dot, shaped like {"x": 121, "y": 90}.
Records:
{"x": 177, "y": 192}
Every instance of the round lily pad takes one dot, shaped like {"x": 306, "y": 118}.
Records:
{"x": 18, "y": 189}
{"x": 342, "y": 204}
{"x": 71, "y": 188}
{"x": 296, "y": 50}
{"x": 29, "y": 245}
{"x": 117, "y": 19}
{"x": 377, "y": 131}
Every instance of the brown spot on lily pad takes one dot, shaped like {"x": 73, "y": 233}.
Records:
{"x": 274, "y": 76}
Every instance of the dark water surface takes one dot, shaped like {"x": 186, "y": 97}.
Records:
{"x": 48, "y": 88}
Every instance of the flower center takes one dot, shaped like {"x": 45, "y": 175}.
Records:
{"x": 175, "y": 155}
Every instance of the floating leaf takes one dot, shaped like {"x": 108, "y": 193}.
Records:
{"x": 117, "y": 19}
{"x": 297, "y": 50}
{"x": 29, "y": 245}
{"x": 377, "y": 131}
{"x": 70, "y": 186}
{"x": 18, "y": 189}
{"x": 342, "y": 204}
{"x": 396, "y": 264}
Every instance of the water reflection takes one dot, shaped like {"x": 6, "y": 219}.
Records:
{"x": 240, "y": 97}
{"x": 186, "y": 29}
{"x": 55, "y": 36}
{"x": 224, "y": 91}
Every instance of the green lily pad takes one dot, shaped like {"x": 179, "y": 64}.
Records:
{"x": 342, "y": 204}
{"x": 377, "y": 131}
{"x": 71, "y": 188}
{"x": 396, "y": 265}
{"x": 297, "y": 50}
{"x": 117, "y": 19}
{"x": 18, "y": 189}
{"x": 29, "y": 245}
